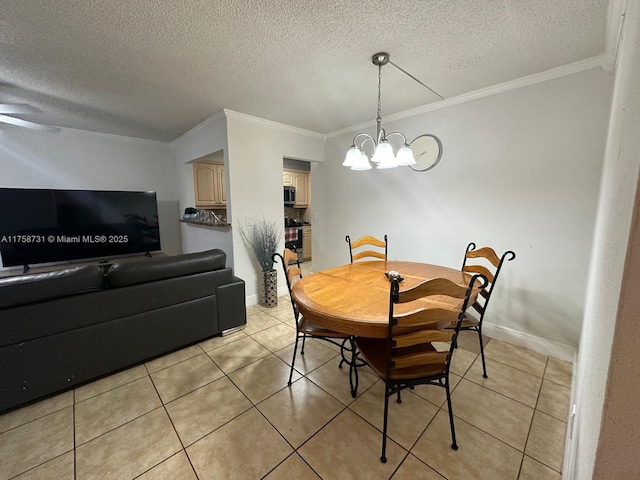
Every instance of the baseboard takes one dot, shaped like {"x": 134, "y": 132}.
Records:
{"x": 571, "y": 446}
{"x": 254, "y": 299}
{"x": 509, "y": 335}
{"x": 251, "y": 300}
{"x": 526, "y": 340}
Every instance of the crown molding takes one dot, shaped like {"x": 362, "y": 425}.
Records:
{"x": 615, "y": 25}
{"x": 558, "y": 72}
{"x": 269, "y": 123}
{"x": 98, "y": 134}
{"x": 211, "y": 121}
{"x": 225, "y": 113}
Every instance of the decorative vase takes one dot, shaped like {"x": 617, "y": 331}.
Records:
{"x": 270, "y": 289}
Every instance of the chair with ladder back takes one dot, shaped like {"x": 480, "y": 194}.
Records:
{"x": 407, "y": 357}
{"x": 306, "y": 328}
{"x": 367, "y": 241}
{"x": 486, "y": 262}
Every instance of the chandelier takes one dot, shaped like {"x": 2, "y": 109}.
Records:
{"x": 383, "y": 153}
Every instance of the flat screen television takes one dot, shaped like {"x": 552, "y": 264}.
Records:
{"x": 47, "y": 226}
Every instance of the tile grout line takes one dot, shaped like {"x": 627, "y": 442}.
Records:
{"x": 72, "y": 406}
{"x": 493, "y": 436}
{"x": 499, "y": 393}
{"x": 536, "y": 410}
{"x": 532, "y": 417}
{"x": 164, "y": 406}
{"x": 255, "y": 405}
{"x": 295, "y": 451}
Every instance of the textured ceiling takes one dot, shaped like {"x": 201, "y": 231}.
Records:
{"x": 156, "y": 68}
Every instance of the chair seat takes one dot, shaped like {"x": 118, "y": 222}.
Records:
{"x": 310, "y": 328}
{"x": 468, "y": 321}
{"x": 374, "y": 351}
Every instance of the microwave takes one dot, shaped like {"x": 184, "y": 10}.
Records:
{"x": 289, "y": 195}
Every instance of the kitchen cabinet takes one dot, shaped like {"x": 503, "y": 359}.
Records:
{"x": 300, "y": 180}
{"x": 306, "y": 243}
{"x": 287, "y": 178}
{"x": 209, "y": 184}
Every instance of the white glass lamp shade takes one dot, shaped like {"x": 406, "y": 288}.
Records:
{"x": 353, "y": 155}
{"x": 405, "y": 156}
{"x": 383, "y": 152}
{"x": 362, "y": 163}
{"x": 384, "y": 156}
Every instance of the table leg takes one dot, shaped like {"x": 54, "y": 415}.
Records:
{"x": 353, "y": 369}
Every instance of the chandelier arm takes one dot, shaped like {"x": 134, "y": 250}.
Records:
{"x": 368, "y": 137}
{"x": 404, "y": 139}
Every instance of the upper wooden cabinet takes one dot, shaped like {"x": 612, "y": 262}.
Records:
{"x": 287, "y": 178}
{"x": 300, "y": 180}
{"x": 209, "y": 184}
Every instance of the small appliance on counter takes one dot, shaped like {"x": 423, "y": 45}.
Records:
{"x": 292, "y": 222}
{"x": 190, "y": 214}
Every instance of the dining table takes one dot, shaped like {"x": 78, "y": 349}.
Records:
{"x": 354, "y": 299}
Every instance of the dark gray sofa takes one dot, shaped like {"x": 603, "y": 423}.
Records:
{"x": 64, "y": 328}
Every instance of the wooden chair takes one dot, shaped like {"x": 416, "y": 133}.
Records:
{"x": 407, "y": 356}
{"x": 305, "y": 328}
{"x": 367, "y": 240}
{"x": 471, "y": 264}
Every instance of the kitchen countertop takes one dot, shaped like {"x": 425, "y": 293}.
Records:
{"x": 207, "y": 224}
{"x": 297, "y": 225}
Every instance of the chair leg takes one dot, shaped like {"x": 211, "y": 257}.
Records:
{"x": 304, "y": 338}
{"x": 484, "y": 365}
{"x": 454, "y": 444}
{"x": 293, "y": 360}
{"x": 399, "y": 399}
{"x": 383, "y": 457}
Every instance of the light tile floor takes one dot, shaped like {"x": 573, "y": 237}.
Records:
{"x": 222, "y": 409}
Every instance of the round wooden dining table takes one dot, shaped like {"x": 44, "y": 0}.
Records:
{"x": 353, "y": 299}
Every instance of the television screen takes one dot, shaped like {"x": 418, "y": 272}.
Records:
{"x": 44, "y": 226}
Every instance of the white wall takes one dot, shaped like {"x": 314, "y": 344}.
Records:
{"x": 520, "y": 171}
{"x": 76, "y": 159}
{"x": 207, "y": 138}
{"x": 606, "y": 431}
{"x": 256, "y": 150}
{"x": 253, "y": 154}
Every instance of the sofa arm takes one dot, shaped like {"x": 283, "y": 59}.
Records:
{"x": 232, "y": 310}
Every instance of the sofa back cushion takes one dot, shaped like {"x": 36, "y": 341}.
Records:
{"x": 161, "y": 268}
{"x": 38, "y": 287}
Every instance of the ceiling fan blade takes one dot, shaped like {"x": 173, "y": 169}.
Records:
{"x": 18, "y": 108}
{"x": 24, "y": 123}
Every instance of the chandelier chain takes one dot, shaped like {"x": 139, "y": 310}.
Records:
{"x": 379, "y": 90}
